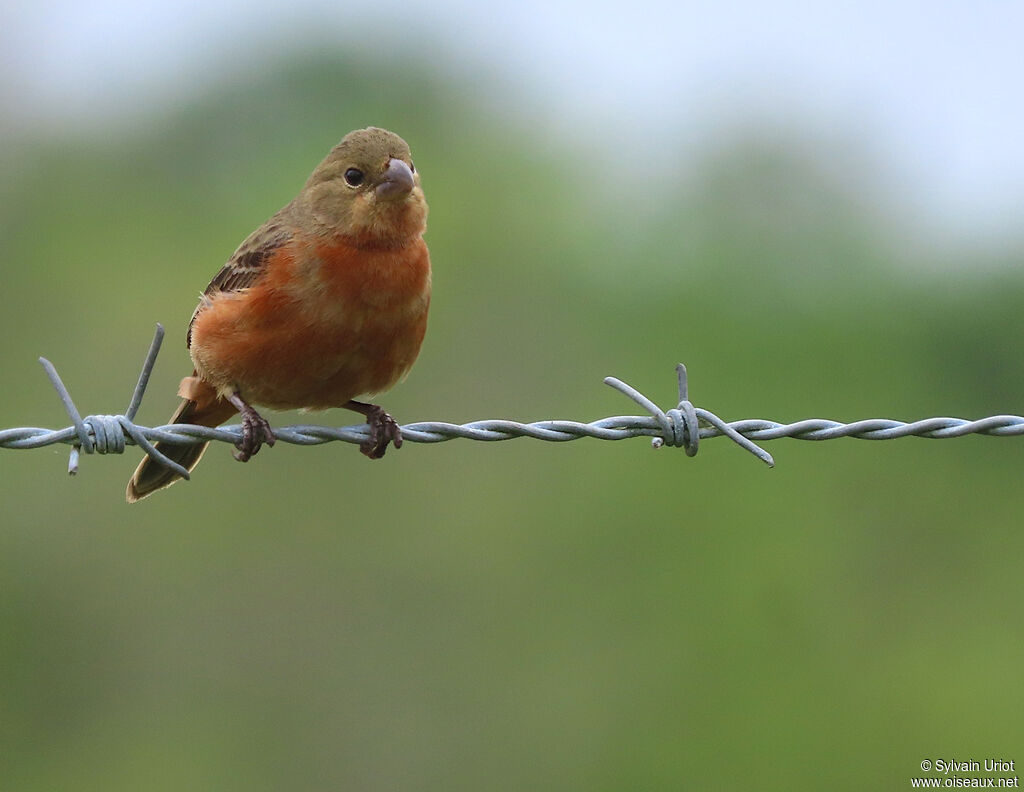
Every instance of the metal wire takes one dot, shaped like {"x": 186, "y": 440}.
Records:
{"x": 682, "y": 426}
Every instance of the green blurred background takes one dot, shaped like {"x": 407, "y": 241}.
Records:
{"x": 520, "y": 615}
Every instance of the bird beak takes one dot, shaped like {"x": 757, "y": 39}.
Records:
{"x": 397, "y": 183}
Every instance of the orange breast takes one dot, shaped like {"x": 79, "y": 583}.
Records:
{"x": 323, "y": 325}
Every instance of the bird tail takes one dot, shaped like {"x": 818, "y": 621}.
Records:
{"x": 201, "y": 406}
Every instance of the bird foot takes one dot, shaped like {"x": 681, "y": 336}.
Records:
{"x": 383, "y": 430}
{"x": 255, "y": 431}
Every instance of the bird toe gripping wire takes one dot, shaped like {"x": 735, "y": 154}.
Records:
{"x": 683, "y": 426}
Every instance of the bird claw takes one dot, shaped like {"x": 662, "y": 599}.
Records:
{"x": 255, "y": 432}
{"x": 383, "y": 430}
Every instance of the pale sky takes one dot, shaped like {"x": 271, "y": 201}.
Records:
{"x": 937, "y": 88}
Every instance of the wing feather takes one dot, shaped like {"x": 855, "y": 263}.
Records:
{"x": 245, "y": 266}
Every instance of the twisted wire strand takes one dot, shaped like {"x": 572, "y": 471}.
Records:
{"x": 682, "y": 426}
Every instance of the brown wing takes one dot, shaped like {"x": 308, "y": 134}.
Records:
{"x": 244, "y": 267}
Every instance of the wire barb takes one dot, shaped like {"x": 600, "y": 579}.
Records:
{"x": 105, "y": 434}
{"x": 683, "y": 426}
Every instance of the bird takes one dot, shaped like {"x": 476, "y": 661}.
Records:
{"x": 325, "y": 302}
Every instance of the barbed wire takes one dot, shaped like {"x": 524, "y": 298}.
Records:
{"x": 683, "y": 426}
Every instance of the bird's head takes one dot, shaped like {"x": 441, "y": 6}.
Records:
{"x": 368, "y": 189}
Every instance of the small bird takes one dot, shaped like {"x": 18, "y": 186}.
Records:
{"x": 324, "y": 302}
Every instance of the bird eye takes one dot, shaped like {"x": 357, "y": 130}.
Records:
{"x": 353, "y": 177}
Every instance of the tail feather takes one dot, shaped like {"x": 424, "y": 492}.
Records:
{"x": 150, "y": 475}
